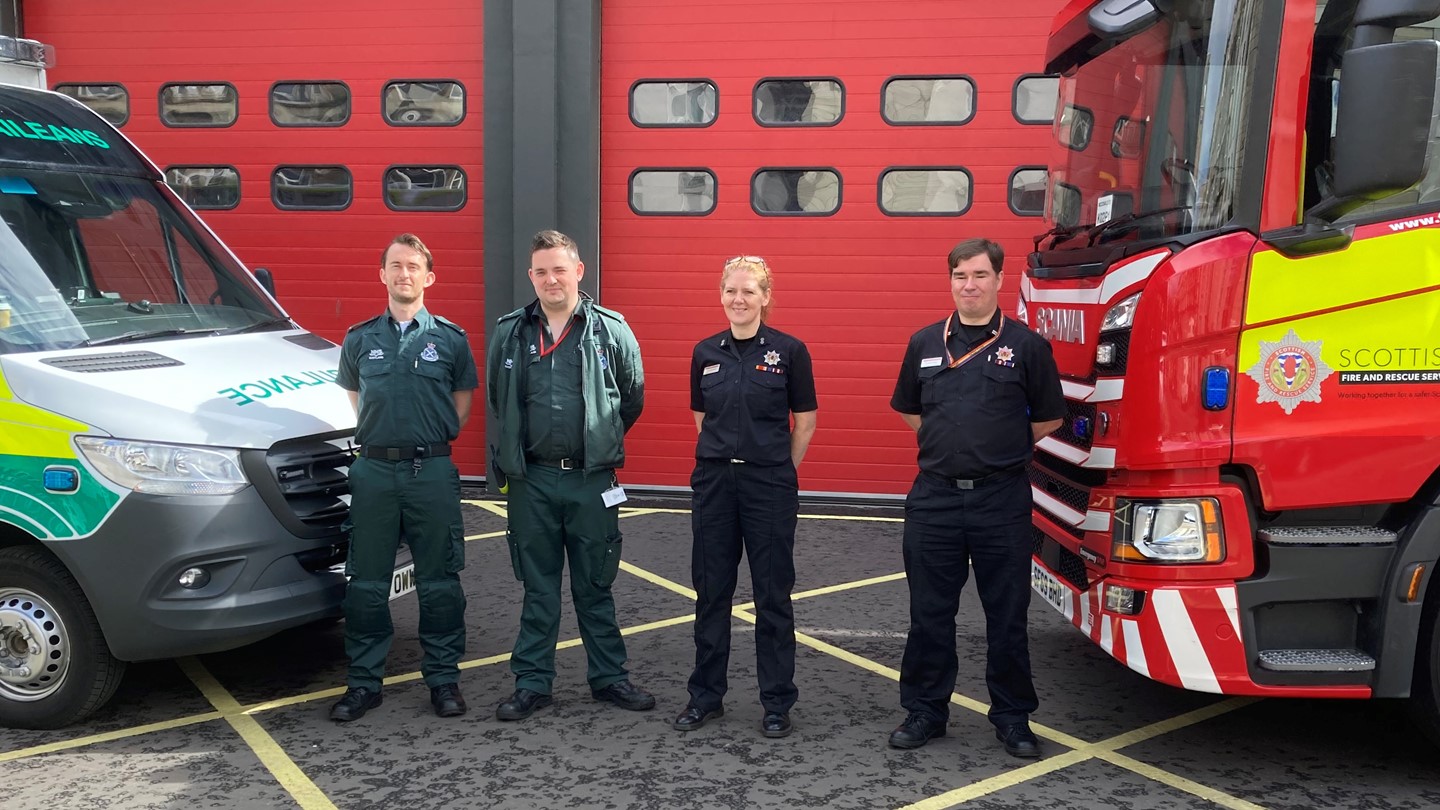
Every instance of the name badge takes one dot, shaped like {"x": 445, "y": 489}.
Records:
{"x": 710, "y": 369}
{"x": 931, "y": 362}
{"x": 613, "y": 496}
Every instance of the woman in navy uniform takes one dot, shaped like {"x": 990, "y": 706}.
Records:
{"x": 745, "y": 384}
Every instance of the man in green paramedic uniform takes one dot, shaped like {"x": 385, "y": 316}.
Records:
{"x": 410, "y": 376}
{"x": 565, "y": 383}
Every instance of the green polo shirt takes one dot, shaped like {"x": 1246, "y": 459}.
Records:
{"x": 406, "y": 381}
{"x": 554, "y": 402}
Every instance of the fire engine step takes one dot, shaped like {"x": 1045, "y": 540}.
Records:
{"x": 1327, "y": 536}
{"x": 1316, "y": 661}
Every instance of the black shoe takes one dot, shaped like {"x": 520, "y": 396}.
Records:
{"x": 918, "y": 729}
{"x": 355, "y": 703}
{"x": 447, "y": 701}
{"x": 776, "y": 725}
{"x": 522, "y": 704}
{"x": 694, "y": 717}
{"x": 626, "y": 695}
{"x": 1019, "y": 740}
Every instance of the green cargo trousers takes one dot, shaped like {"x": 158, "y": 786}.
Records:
{"x": 557, "y": 513}
{"x": 391, "y": 500}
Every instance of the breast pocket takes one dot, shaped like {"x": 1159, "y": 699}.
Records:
{"x": 431, "y": 370}
{"x": 767, "y": 395}
{"x": 1003, "y": 391}
{"x": 716, "y": 390}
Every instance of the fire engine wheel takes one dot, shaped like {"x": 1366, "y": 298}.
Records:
{"x": 1425, "y": 690}
{"x": 55, "y": 667}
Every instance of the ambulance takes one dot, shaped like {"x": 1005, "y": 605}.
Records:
{"x": 173, "y": 448}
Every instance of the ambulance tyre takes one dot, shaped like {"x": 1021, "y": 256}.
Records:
{"x": 55, "y": 667}
{"x": 1425, "y": 689}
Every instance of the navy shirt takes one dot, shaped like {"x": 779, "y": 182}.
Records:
{"x": 747, "y": 393}
{"x": 405, "y": 381}
{"x": 975, "y": 417}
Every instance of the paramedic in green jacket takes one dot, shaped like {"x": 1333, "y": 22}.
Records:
{"x": 564, "y": 381}
{"x": 410, "y": 376}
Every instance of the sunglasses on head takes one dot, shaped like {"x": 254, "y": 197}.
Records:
{"x": 745, "y": 260}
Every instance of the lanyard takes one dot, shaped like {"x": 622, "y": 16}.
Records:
{"x": 545, "y": 351}
{"x": 945, "y": 341}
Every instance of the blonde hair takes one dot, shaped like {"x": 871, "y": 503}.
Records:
{"x": 757, "y": 267}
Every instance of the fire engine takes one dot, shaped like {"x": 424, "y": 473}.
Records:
{"x": 1240, "y": 280}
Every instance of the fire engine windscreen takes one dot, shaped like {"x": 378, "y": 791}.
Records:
{"x": 1151, "y": 133}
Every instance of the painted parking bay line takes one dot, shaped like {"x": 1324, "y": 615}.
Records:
{"x": 271, "y": 755}
{"x": 108, "y": 736}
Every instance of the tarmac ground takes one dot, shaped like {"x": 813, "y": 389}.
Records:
{"x": 249, "y": 728}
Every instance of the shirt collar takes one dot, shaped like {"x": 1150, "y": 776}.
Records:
{"x": 423, "y": 319}
{"x": 956, "y": 326}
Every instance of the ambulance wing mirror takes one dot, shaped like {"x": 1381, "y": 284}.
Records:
{"x": 266, "y": 280}
{"x": 1383, "y": 127}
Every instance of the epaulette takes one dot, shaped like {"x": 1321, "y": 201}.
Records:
{"x": 364, "y": 323}
{"x": 609, "y": 313}
{"x": 457, "y": 327}
{"x": 510, "y": 316}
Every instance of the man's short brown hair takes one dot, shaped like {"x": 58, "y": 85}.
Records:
{"x": 547, "y": 240}
{"x": 413, "y": 242}
{"x": 971, "y": 248}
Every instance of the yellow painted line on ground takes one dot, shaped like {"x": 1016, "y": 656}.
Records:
{"x": 271, "y": 755}
{"x": 856, "y": 518}
{"x": 496, "y": 507}
{"x": 656, "y": 579}
{"x": 109, "y": 736}
{"x": 485, "y": 536}
{"x": 1175, "y": 723}
{"x": 999, "y": 782}
{"x": 1178, "y": 782}
{"x": 629, "y": 513}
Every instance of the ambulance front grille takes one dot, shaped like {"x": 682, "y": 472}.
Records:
{"x": 312, "y": 476}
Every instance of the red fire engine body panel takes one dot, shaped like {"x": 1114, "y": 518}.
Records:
{"x": 325, "y": 262}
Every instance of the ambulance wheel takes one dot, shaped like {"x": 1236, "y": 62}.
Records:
{"x": 1425, "y": 689}
{"x": 55, "y": 667}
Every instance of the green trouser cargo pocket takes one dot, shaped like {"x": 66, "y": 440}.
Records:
{"x": 514, "y": 555}
{"x": 609, "y": 566}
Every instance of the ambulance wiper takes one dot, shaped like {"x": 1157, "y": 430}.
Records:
{"x": 138, "y": 335}
{"x": 1131, "y": 218}
{"x": 256, "y": 327}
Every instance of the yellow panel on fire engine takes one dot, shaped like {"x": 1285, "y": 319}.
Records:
{"x": 1372, "y": 268}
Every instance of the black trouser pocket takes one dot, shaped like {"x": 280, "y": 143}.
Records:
{"x": 514, "y": 555}
{"x": 609, "y": 566}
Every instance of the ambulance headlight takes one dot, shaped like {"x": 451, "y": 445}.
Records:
{"x": 165, "y": 469}
{"x": 1168, "y": 531}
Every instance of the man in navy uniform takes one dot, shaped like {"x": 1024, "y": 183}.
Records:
{"x": 979, "y": 389}
{"x": 410, "y": 376}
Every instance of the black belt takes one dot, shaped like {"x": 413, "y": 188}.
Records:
{"x": 562, "y": 463}
{"x": 402, "y": 453}
{"x": 975, "y": 483}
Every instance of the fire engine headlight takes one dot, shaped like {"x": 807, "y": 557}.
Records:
{"x": 165, "y": 469}
{"x": 1170, "y": 531}
{"x": 1121, "y": 315}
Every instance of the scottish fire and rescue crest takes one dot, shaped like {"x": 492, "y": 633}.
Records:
{"x": 1289, "y": 371}
{"x": 772, "y": 358}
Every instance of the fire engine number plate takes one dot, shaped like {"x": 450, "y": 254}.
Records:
{"x": 1048, "y": 587}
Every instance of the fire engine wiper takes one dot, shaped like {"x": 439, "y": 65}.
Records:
{"x": 1096, "y": 231}
{"x": 1059, "y": 232}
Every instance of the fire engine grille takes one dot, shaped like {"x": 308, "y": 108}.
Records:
{"x": 1059, "y": 559}
{"x": 1048, "y": 481}
{"x": 1083, "y": 434}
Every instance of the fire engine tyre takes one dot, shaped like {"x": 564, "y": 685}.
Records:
{"x": 1425, "y": 690}
{"x": 55, "y": 667}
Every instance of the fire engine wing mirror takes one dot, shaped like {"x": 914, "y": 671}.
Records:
{"x": 1387, "y": 109}
{"x": 1122, "y": 19}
